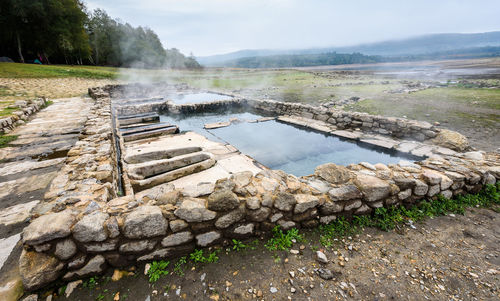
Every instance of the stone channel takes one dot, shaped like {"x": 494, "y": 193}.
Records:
{"x": 182, "y": 191}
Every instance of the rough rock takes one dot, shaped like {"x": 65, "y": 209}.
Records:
{"x": 242, "y": 179}
{"x": 49, "y": 227}
{"x": 95, "y": 265}
{"x": 223, "y": 200}
{"x": 477, "y": 156}
{"x": 38, "y": 269}
{"x": 259, "y": 215}
{"x": 207, "y": 239}
{"x": 284, "y": 201}
{"x": 333, "y": 173}
{"x": 65, "y": 249}
{"x": 201, "y": 189}
{"x": 433, "y": 190}
{"x": 420, "y": 188}
{"x": 305, "y": 202}
{"x": 98, "y": 247}
{"x": 286, "y": 225}
{"x": 344, "y": 193}
{"x": 244, "y": 229}
{"x": 404, "y": 194}
{"x": 330, "y": 207}
{"x": 137, "y": 246}
{"x": 321, "y": 257}
{"x": 145, "y": 221}
{"x": 177, "y": 239}
{"x": 324, "y": 273}
{"x": 71, "y": 287}
{"x": 253, "y": 203}
{"x": 230, "y": 218}
{"x": 327, "y": 219}
{"x": 431, "y": 177}
{"x": 91, "y": 227}
{"x": 373, "y": 188}
{"x": 178, "y": 225}
{"x": 452, "y": 140}
{"x": 194, "y": 210}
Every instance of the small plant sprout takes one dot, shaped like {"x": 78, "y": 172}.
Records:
{"x": 157, "y": 269}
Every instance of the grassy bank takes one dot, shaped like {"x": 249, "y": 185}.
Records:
{"x": 17, "y": 70}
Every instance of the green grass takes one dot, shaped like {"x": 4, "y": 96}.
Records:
{"x": 17, "y": 70}
{"x": 282, "y": 241}
{"x": 6, "y": 139}
{"x": 389, "y": 218}
{"x": 7, "y": 111}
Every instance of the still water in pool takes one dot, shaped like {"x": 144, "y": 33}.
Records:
{"x": 282, "y": 146}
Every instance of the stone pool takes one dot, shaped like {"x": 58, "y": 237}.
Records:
{"x": 282, "y": 146}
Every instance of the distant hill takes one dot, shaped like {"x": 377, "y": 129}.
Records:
{"x": 421, "y": 45}
{"x": 333, "y": 58}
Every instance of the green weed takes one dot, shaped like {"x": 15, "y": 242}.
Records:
{"x": 282, "y": 241}
{"x": 197, "y": 256}
{"x": 157, "y": 269}
{"x": 91, "y": 283}
{"x": 179, "y": 266}
{"x": 389, "y": 218}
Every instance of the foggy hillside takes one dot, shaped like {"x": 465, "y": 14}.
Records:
{"x": 426, "y": 44}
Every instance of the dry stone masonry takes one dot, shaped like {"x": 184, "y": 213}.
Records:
{"x": 24, "y": 110}
{"x": 84, "y": 226}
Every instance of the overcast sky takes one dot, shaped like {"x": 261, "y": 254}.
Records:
{"x": 207, "y": 27}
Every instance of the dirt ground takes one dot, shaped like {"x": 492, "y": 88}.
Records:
{"x": 22, "y": 88}
{"x": 451, "y": 257}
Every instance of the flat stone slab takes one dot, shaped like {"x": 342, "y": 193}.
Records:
{"x": 406, "y": 147}
{"x": 238, "y": 163}
{"x": 385, "y": 143}
{"x": 17, "y": 213}
{"x": 27, "y": 165}
{"x": 217, "y": 125}
{"x": 347, "y": 134}
{"x": 6, "y": 246}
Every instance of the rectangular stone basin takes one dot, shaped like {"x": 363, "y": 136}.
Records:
{"x": 295, "y": 150}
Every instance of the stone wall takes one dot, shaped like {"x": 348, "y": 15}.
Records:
{"x": 18, "y": 117}
{"x": 389, "y": 126}
{"x": 83, "y": 229}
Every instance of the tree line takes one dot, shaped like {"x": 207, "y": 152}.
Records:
{"x": 302, "y": 60}
{"x": 65, "y": 32}
{"x": 334, "y": 58}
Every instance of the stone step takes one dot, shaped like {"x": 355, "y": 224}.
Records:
{"x": 146, "y": 118}
{"x": 152, "y": 168}
{"x": 139, "y": 185}
{"x": 148, "y": 134}
{"x": 144, "y": 128}
{"x": 160, "y": 154}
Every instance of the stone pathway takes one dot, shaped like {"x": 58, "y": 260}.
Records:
{"x": 26, "y": 169}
